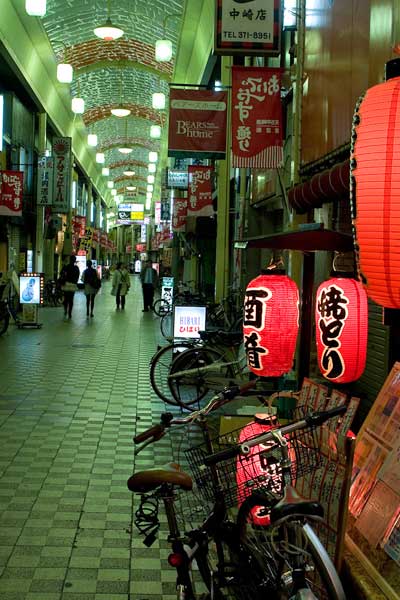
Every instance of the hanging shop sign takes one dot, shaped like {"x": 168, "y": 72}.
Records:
{"x": 270, "y": 324}
{"x": 79, "y": 225}
{"x": 45, "y": 174}
{"x": 257, "y": 141}
{"x": 62, "y": 174}
{"x": 11, "y": 190}
{"x": 179, "y": 214}
{"x": 96, "y": 236}
{"x": 103, "y": 240}
{"x": 200, "y": 192}
{"x": 85, "y": 243}
{"x": 188, "y": 321}
{"x": 165, "y": 209}
{"x": 130, "y": 213}
{"x": 157, "y": 213}
{"x": 197, "y": 124}
{"x": 143, "y": 233}
{"x": 177, "y": 178}
{"x": 341, "y": 320}
{"x": 374, "y": 191}
{"x": 248, "y": 27}
{"x": 167, "y": 290}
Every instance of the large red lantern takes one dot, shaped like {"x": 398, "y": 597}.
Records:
{"x": 341, "y": 320}
{"x": 270, "y": 324}
{"x": 375, "y": 191}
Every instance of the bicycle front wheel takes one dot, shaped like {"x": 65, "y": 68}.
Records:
{"x": 269, "y": 548}
{"x": 188, "y": 374}
{"x": 167, "y": 326}
{"x": 160, "y": 366}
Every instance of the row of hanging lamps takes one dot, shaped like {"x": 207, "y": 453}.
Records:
{"x": 375, "y": 187}
{"x": 35, "y": 8}
{"x": 341, "y": 322}
{"x": 120, "y": 111}
{"x": 108, "y": 31}
{"x": 271, "y": 322}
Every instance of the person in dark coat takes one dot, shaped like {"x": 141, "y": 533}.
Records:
{"x": 149, "y": 278}
{"x": 69, "y": 279}
{"x": 92, "y": 285}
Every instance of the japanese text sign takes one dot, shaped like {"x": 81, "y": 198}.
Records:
{"x": 188, "y": 321}
{"x": 256, "y": 118}
{"x": 45, "y": 181}
{"x": 197, "y": 124}
{"x": 248, "y": 27}
{"x": 62, "y": 174}
{"x": 11, "y": 189}
{"x": 200, "y": 191}
{"x": 179, "y": 215}
{"x": 86, "y": 240}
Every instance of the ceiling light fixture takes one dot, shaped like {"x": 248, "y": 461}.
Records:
{"x": 78, "y": 106}
{"x": 120, "y": 111}
{"x": 150, "y": 178}
{"x": 130, "y": 188}
{"x": 100, "y": 158}
{"x": 155, "y": 131}
{"x": 163, "y": 49}
{"x": 108, "y": 32}
{"x": 153, "y": 157}
{"x": 105, "y": 171}
{"x": 150, "y": 187}
{"x": 124, "y": 150}
{"x": 65, "y": 73}
{"x": 92, "y": 139}
{"x": 110, "y": 184}
{"x": 114, "y": 192}
{"x": 129, "y": 173}
{"x": 148, "y": 204}
{"x": 35, "y": 8}
{"x": 152, "y": 167}
{"x": 158, "y": 101}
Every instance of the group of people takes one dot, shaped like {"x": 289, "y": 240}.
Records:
{"x": 69, "y": 278}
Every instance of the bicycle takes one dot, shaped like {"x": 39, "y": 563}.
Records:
{"x": 278, "y": 556}
{"x": 52, "y": 294}
{"x": 216, "y": 348}
{"x": 8, "y": 304}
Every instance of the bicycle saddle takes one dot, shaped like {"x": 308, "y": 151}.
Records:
{"x": 146, "y": 481}
{"x": 294, "y": 504}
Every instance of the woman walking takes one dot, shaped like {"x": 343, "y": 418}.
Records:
{"x": 92, "y": 285}
{"x": 120, "y": 285}
{"x": 69, "y": 278}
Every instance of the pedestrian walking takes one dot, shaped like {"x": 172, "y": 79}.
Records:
{"x": 120, "y": 285}
{"x": 149, "y": 279}
{"x": 69, "y": 284}
{"x": 92, "y": 285}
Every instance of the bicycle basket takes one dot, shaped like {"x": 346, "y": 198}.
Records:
{"x": 259, "y": 470}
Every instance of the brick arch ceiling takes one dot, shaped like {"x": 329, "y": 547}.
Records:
{"x": 98, "y": 65}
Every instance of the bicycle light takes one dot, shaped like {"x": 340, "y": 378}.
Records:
{"x": 176, "y": 560}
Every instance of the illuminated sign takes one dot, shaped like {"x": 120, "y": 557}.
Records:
{"x": 177, "y": 179}
{"x": 130, "y": 213}
{"x": 167, "y": 290}
{"x": 188, "y": 321}
{"x": 31, "y": 288}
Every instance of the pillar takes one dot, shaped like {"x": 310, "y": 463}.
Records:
{"x": 223, "y": 183}
{"x": 39, "y": 240}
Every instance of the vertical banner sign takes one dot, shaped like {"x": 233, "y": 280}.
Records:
{"x": 86, "y": 241}
{"x": 179, "y": 214}
{"x": 11, "y": 189}
{"x": 165, "y": 209}
{"x": 256, "y": 118}
{"x": 200, "y": 192}
{"x": 197, "y": 124}
{"x": 103, "y": 240}
{"x": 248, "y": 27}
{"x": 62, "y": 175}
{"x": 44, "y": 192}
{"x": 78, "y": 224}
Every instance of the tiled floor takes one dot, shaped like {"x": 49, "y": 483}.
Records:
{"x": 72, "y": 395}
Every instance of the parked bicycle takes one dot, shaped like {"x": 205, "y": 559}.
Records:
{"x": 52, "y": 294}
{"x": 9, "y": 303}
{"x": 266, "y": 547}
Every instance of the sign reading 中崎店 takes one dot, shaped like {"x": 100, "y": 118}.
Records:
{"x": 62, "y": 174}
{"x": 45, "y": 181}
{"x": 11, "y": 188}
{"x": 257, "y": 141}
{"x": 200, "y": 192}
{"x": 248, "y": 27}
{"x": 197, "y": 124}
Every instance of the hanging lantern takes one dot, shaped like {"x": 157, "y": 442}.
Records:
{"x": 375, "y": 189}
{"x": 270, "y": 324}
{"x": 341, "y": 319}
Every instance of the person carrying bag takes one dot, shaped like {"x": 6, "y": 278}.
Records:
{"x": 69, "y": 284}
{"x": 120, "y": 285}
{"x": 92, "y": 285}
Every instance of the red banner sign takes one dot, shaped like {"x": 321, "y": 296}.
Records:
{"x": 103, "y": 240}
{"x": 140, "y": 247}
{"x": 197, "y": 124}
{"x": 11, "y": 188}
{"x": 96, "y": 236}
{"x": 79, "y": 225}
{"x": 256, "y": 118}
{"x": 200, "y": 192}
{"x": 62, "y": 175}
{"x": 179, "y": 214}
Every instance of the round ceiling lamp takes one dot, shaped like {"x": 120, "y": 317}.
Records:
{"x": 125, "y": 150}
{"x": 129, "y": 173}
{"x": 120, "y": 111}
{"x": 163, "y": 50}
{"x": 130, "y": 188}
{"x": 108, "y": 32}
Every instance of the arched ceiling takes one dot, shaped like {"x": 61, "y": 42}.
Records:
{"x": 124, "y": 71}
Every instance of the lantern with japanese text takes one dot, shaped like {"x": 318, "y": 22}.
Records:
{"x": 375, "y": 188}
{"x": 271, "y": 323}
{"x": 341, "y": 320}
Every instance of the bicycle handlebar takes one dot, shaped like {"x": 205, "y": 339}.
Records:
{"x": 312, "y": 420}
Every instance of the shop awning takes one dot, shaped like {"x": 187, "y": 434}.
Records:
{"x": 332, "y": 184}
{"x": 309, "y": 240}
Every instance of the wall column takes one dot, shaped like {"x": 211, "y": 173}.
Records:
{"x": 224, "y": 173}
{"x": 39, "y": 246}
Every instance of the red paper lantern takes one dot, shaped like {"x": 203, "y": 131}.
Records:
{"x": 341, "y": 319}
{"x": 375, "y": 191}
{"x": 270, "y": 324}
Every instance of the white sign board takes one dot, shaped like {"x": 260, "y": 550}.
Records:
{"x": 188, "y": 321}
